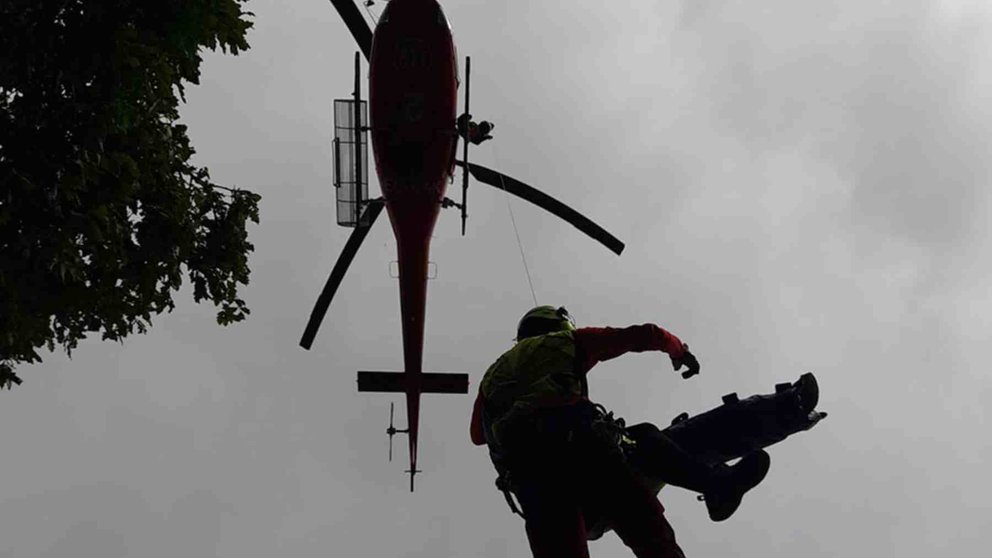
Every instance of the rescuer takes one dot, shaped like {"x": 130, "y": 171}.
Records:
{"x": 559, "y": 453}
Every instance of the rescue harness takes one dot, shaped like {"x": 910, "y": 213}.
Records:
{"x": 612, "y": 431}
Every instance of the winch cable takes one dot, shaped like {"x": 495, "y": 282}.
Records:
{"x": 516, "y": 232}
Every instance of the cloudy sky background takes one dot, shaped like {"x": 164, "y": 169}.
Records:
{"x": 802, "y": 186}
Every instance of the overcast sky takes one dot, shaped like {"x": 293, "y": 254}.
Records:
{"x": 802, "y": 186}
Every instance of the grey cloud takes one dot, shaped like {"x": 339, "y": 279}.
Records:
{"x": 884, "y": 93}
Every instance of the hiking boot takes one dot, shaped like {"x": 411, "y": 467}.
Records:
{"x": 808, "y": 392}
{"x": 745, "y": 475}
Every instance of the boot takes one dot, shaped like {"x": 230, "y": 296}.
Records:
{"x": 722, "y": 502}
{"x": 808, "y": 392}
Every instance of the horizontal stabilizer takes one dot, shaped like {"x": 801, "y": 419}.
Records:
{"x": 427, "y": 382}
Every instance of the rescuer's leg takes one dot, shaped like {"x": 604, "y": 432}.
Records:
{"x": 658, "y": 459}
{"x": 548, "y": 495}
{"x": 554, "y": 523}
{"x": 544, "y": 476}
{"x": 639, "y": 521}
{"x": 633, "y": 511}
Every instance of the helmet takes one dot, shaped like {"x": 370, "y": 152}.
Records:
{"x": 544, "y": 319}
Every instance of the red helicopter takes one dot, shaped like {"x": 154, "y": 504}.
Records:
{"x": 413, "y": 83}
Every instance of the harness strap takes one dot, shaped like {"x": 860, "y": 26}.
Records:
{"x": 503, "y": 478}
{"x": 504, "y": 486}
{"x": 612, "y": 430}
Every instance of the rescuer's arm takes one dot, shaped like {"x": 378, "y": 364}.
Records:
{"x": 475, "y": 429}
{"x": 596, "y": 344}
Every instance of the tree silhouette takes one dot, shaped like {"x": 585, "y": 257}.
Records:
{"x": 102, "y": 215}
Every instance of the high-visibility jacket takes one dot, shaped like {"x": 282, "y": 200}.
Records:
{"x": 537, "y": 372}
{"x": 550, "y": 370}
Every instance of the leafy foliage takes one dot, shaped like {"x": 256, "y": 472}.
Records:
{"x": 102, "y": 214}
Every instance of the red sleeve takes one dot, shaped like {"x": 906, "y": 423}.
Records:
{"x": 475, "y": 429}
{"x": 596, "y": 344}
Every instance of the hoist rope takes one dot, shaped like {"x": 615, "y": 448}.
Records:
{"x": 513, "y": 221}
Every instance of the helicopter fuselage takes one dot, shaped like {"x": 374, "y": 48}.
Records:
{"x": 413, "y": 84}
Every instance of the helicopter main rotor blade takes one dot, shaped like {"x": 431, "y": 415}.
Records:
{"x": 545, "y": 202}
{"x": 372, "y": 211}
{"x": 356, "y": 24}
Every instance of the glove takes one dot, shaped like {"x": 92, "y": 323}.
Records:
{"x": 688, "y": 360}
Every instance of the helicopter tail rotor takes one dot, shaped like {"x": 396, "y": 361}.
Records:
{"x": 392, "y": 431}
